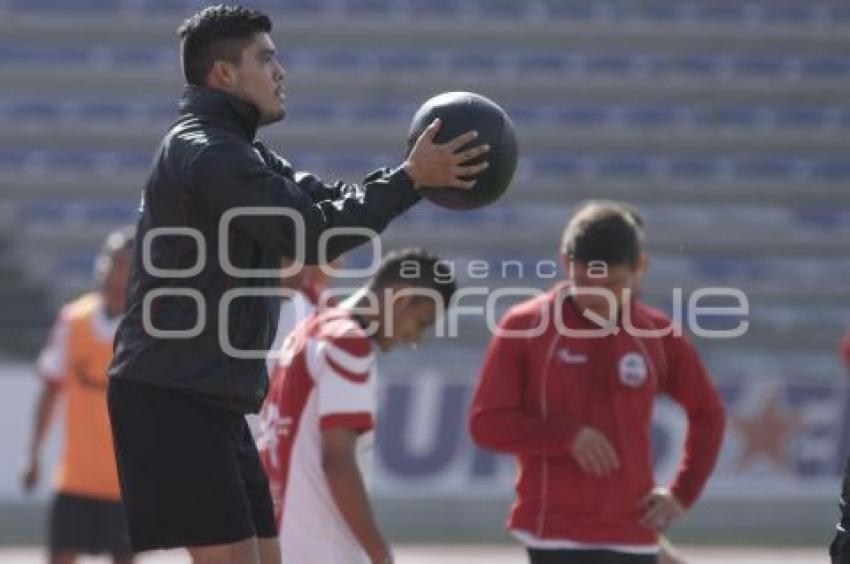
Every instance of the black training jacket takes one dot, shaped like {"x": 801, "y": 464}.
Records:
{"x": 208, "y": 164}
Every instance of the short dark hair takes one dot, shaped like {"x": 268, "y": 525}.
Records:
{"x": 606, "y": 231}
{"x": 217, "y": 33}
{"x": 417, "y": 267}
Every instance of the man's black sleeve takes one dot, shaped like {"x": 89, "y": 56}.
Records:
{"x": 231, "y": 175}
{"x": 310, "y": 183}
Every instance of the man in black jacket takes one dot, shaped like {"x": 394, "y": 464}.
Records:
{"x": 219, "y": 211}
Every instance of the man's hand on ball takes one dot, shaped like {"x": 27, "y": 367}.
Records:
{"x": 433, "y": 164}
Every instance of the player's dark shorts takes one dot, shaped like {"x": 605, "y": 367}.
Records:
{"x": 190, "y": 473}
{"x": 839, "y": 550}
{"x": 87, "y": 525}
{"x": 588, "y": 557}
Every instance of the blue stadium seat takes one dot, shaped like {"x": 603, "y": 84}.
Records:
{"x": 659, "y": 11}
{"x": 555, "y": 166}
{"x": 379, "y": 113}
{"x": 787, "y": 13}
{"x": 531, "y": 114}
{"x": 650, "y": 116}
{"x": 291, "y": 7}
{"x": 404, "y": 61}
{"x": 724, "y": 268}
{"x": 170, "y": 6}
{"x": 14, "y": 159}
{"x": 569, "y": 10}
{"x": 437, "y": 8}
{"x": 74, "y": 159}
{"x": 316, "y": 112}
{"x": 761, "y": 66}
{"x": 132, "y": 160}
{"x": 111, "y": 213}
{"x": 104, "y": 110}
{"x": 584, "y": 116}
{"x": 502, "y": 9}
{"x": 543, "y": 63}
{"x": 609, "y": 64}
{"x": 766, "y": 167}
{"x": 142, "y": 56}
{"x": 823, "y": 218}
{"x": 800, "y": 116}
{"x": 693, "y": 167}
{"x": 44, "y": 212}
{"x": 35, "y": 110}
{"x": 20, "y": 55}
{"x": 728, "y": 116}
{"x": 831, "y": 169}
{"x": 474, "y": 62}
{"x": 828, "y": 67}
{"x": 624, "y": 166}
{"x": 721, "y": 13}
{"x": 694, "y": 64}
{"x": 353, "y": 163}
{"x": 62, "y": 5}
{"x": 162, "y": 110}
{"x": 371, "y": 8}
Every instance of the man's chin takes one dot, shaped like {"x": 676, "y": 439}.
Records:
{"x": 274, "y": 117}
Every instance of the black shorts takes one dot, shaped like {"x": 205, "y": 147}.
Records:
{"x": 570, "y": 556}
{"x": 87, "y": 525}
{"x": 839, "y": 550}
{"x": 190, "y": 473}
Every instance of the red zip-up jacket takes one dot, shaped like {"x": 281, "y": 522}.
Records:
{"x": 536, "y": 392}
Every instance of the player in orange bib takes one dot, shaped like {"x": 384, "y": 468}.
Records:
{"x": 86, "y": 516}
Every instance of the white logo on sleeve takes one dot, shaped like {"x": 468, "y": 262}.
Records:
{"x": 633, "y": 370}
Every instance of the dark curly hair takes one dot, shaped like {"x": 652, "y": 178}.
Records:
{"x": 417, "y": 267}
{"x": 217, "y": 33}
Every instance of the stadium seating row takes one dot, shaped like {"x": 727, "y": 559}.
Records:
{"x": 118, "y": 112}
{"x": 613, "y": 11}
{"x": 669, "y": 217}
{"x": 785, "y": 67}
{"x": 720, "y": 168}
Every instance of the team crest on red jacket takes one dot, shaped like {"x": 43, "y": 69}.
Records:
{"x": 633, "y": 370}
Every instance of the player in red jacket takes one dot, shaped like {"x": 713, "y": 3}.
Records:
{"x": 568, "y": 388}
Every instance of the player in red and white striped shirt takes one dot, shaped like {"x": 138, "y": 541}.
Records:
{"x": 318, "y": 417}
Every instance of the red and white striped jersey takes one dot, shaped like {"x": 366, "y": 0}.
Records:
{"x": 324, "y": 379}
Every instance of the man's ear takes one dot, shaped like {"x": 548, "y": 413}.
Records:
{"x": 642, "y": 265}
{"x": 222, "y": 75}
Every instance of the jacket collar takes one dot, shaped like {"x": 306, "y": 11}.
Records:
{"x": 234, "y": 113}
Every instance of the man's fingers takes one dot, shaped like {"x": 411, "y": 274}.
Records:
{"x": 470, "y": 170}
{"x": 605, "y": 461}
{"x": 432, "y": 129}
{"x": 470, "y": 154}
{"x": 659, "y": 515}
{"x": 461, "y": 140}
{"x": 600, "y": 467}
{"x": 463, "y": 184}
{"x": 585, "y": 464}
{"x": 653, "y": 516}
{"x": 610, "y": 454}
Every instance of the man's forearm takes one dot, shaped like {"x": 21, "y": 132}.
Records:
{"x": 42, "y": 418}
{"x": 349, "y": 493}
